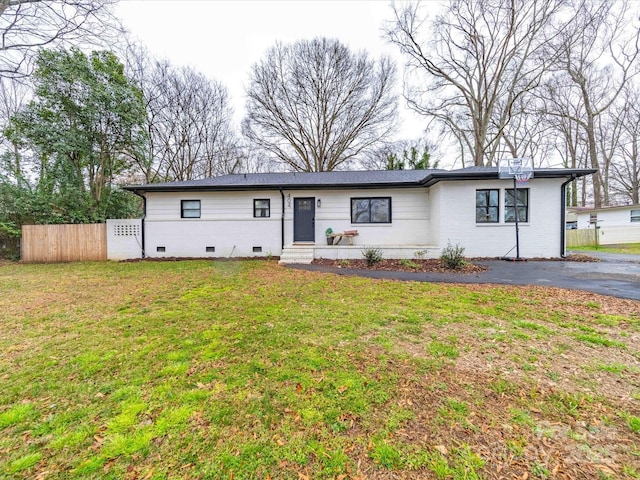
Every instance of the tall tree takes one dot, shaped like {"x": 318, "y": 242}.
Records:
{"x": 315, "y": 106}
{"x": 626, "y": 170}
{"x": 82, "y": 126}
{"x": 597, "y": 54}
{"x": 188, "y": 122}
{"x": 471, "y": 65}
{"x": 192, "y": 124}
{"x": 28, "y": 25}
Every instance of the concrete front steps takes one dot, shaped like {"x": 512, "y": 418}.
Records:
{"x": 297, "y": 253}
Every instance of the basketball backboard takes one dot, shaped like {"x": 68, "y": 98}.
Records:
{"x": 515, "y": 167}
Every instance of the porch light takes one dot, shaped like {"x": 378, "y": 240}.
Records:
{"x": 319, "y": 203}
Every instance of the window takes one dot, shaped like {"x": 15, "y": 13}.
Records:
{"x": 190, "y": 208}
{"x": 487, "y": 206}
{"x": 635, "y": 215}
{"x": 371, "y": 210}
{"x": 261, "y": 208}
{"x": 523, "y": 205}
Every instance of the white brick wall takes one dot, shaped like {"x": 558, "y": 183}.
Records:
{"x": 539, "y": 237}
{"x": 430, "y": 217}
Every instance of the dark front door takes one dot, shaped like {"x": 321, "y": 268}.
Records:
{"x": 304, "y": 216}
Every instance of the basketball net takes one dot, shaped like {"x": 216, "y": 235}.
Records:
{"x": 522, "y": 178}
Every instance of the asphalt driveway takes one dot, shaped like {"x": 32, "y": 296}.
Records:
{"x": 615, "y": 275}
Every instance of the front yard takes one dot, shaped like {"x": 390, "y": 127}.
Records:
{"x": 236, "y": 370}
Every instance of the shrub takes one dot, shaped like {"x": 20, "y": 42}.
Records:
{"x": 421, "y": 254}
{"x": 452, "y": 256}
{"x": 372, "y": 256}
{"x": 405, "y": 262}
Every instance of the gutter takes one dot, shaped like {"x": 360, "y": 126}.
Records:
{"x": 144, "y": 215}
{"x": 282, "y": 219}
{"x": 563, "y": 215}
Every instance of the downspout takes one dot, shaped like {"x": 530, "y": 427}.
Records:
{"x": 563, "y": 215}
{"x": 144, "y": 215}
{"x": 282, "y": 220}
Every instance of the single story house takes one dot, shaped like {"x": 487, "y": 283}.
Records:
{"x": 404, "y": 213}
{"x": 618, "y": 216}
{"x": 606, "y": 226}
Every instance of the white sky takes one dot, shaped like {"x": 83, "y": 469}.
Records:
{"x": 223, "y": 38}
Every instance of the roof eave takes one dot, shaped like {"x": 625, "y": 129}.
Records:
{"x": 142, "y": 189}
{"x": 493, "y": 175}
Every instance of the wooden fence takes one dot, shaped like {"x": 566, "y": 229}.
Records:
{"x": 581, "y": 237}
{"x": 606, "y": 235}
{"x": 63, "y": 243}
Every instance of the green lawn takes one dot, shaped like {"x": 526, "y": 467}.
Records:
{"x": 236, "y": 370}
{"x": 627, "y": 248}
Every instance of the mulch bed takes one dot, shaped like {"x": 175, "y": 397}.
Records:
{"x": 433, "y": 265}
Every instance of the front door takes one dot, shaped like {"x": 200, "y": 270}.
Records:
{"x": 304, "y": 219}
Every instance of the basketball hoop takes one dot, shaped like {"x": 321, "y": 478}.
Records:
{"x": 519, "y": 171}
{"x": 523, "y": 178}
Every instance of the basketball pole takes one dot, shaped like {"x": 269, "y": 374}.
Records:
{"x": 515, "y": 206}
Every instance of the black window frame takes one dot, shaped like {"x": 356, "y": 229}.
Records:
{"x": 184, "y": 209}
{"x": 489, "y": 207}
{"x": 370, "y": 221}
{"x": 268, "y": 208}
{"x": 522, "y": 206}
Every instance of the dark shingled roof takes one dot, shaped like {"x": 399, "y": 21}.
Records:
{"x": 342, "y": 179}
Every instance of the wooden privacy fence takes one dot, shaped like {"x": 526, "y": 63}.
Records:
{"x": 581, "y": 238}
{"x": 64, "y": 243}
{"x": 606, "y": 235}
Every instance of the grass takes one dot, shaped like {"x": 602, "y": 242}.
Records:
{"x": 203, "y": 369}
{"x": 627, "y": 248}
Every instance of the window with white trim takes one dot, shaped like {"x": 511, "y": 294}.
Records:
{"x": 635, "y": 216}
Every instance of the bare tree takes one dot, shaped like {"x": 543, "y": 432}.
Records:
{"x": 140, "y": 65}
{"x": 315, "y": 106}
{"x": 471, "y": 65}
{"x": 626, "y": 170}
{"x": 526, "y": 134}
{"x": 188, "y": 122}
{"x": 597, "y": 56}
{"x": 27, "y": 25}
{"x": 13, "y": 97}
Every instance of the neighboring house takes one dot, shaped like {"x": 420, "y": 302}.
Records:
{"x": 618, "y": 216}
{"x": 618, "y": 224}
{"x": 403, "y": 213}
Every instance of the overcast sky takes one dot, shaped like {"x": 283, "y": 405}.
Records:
{"x": 222, "y": 39}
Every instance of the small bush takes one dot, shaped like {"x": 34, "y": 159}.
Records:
{"x": 372, "y": 256}
{"x": 453, "y": 256}
{"x": 421, "y": 254}
{"x": 405, "y": 262}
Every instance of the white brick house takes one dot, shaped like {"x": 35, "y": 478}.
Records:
{"x": 400, "y": 212}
